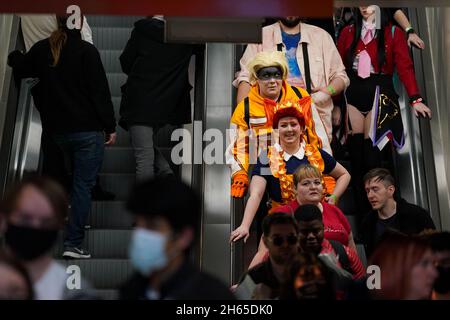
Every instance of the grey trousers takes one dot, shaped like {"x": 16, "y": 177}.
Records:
{"x": 149, "y": 160}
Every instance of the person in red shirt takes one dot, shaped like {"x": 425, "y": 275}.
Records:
{"x": 312, "y": 240}
{"x": 371, "y": 55}
{"x": 309, "y": 190}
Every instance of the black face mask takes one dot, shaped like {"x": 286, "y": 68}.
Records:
{"x": 29, "y": 243}
{"x": 290, "y": 23}
{"x": 442, "y": 283}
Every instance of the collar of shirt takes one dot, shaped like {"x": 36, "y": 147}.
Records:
{"x": 300, "y": 154}
{"x": 366, "y": 27}
{"x": 304, "y": 32}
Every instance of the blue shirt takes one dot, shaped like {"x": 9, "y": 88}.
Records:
{"x": 291, "y": 42}
{"x": 262, "y": 168}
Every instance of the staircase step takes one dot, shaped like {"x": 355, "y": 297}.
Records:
{"x": 110, "y": 38}
{"x": 102, "y": 243}
{"x": 103, "y": 273}
{"x": 116, "y": 80}
{"x": 112, "y": 21}
{"x": 118, "y": 160}
{"x": 110, "y": 59}
{"x": 347, "y": 202}
{"x": 106, "y": 294}
{"x": 120, "y": 184}
{"x": 110, "y": 215}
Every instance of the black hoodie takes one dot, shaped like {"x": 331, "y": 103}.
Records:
{"x": 74, "y": 95}
{"x": 157, "y": 88}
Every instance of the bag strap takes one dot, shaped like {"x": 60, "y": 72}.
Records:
{"x": 307, "y": 71}
{"x": 297, "y": 92}
{"x": 393, "y": 31}
{"x": 247, "y": 112}
{"x": 342, "y": 255}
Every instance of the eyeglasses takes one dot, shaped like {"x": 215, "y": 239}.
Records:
{"x": 279, "y": 240}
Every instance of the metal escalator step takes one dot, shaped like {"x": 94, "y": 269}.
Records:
{"x": 362, "y": 254}
{"x": 112, "y": 21}
{"x": 110, "y": 215}
{"x": 110, "y": 38}
{"x": 106, "y": 294}
{"x": 347, "y": 202}
{"x": 103, "y": 273}
{"x": 118, "y": 160}
{"x": 116, "y": 103}
{"x": 116, "y": 80}
{"x": 123, "y": 137}
{"x": 102, "y": 243}
{"x": 110, "y": 59}
{"x": 353, "y": 224}
{"x": 120, "y": 184}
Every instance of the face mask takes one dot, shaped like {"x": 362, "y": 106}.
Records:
{"x": 290, "y": 23}
{"x": 29, "y": 243}
{"x": 147, "y": 251}
{"x": 442, "y": 283}
{"x": 268, "y": 73}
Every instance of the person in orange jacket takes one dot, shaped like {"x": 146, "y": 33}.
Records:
{"x": 251, "y": 122}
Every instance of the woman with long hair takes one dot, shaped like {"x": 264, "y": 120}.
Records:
{"x": 77, "y": 112}
{"x": 371, "y": 56}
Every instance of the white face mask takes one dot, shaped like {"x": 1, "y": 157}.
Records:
{"x": 147, "y": 251}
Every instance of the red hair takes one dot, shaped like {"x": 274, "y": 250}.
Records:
{"x": 288, "y": 112}
{"x": 396, "y": 256}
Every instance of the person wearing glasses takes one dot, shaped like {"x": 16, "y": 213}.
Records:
{"x": 280, "y": 235}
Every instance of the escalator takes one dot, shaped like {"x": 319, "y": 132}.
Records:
{"x": 214, "y": 100}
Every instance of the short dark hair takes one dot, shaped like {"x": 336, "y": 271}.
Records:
{"x": 308, "y": 213}
{"x": 52, "y": 191}
{"x": 277, "y": 218}
{"x": 440, "y": 241}
{"x": 169, "y": 198}
{"x": 380, "y": 174}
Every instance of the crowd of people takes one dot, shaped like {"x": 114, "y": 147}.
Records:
{"x": 295, "y": 90}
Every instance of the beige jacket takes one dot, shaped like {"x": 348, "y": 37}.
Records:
{"x": 324, "y": 60}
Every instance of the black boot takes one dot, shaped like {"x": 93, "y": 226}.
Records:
{"x": 372, "y": 156}
{"x": 356, "y": 151}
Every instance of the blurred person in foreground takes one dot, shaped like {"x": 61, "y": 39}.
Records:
{"x": 33, "y": 213}
{"x": 165, "y": 230}
{"x": 440, "y": 244}
{"x": 15, "y": 283}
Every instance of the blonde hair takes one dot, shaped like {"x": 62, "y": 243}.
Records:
{"x": 267, "y": 59}
{"x": 306, "y": 171}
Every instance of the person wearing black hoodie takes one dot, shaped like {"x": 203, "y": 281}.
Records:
{"x": 157, "y": 92}
{"x": 76, "y": 110}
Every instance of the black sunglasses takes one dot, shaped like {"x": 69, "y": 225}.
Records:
{"x": 278, "y": 240}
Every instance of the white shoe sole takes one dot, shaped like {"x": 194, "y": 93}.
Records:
{"x": 70, "y": 254}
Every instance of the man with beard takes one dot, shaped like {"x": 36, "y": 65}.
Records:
{"x": 280, "y": 237}
{"x": 314, "y": 65}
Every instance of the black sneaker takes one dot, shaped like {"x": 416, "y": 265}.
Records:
{"x": 76, "y": 253}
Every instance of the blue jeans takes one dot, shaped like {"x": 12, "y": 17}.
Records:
{"x": 83, "y": 151}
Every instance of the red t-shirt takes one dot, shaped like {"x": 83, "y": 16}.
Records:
{"x": 336, "y": 225}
